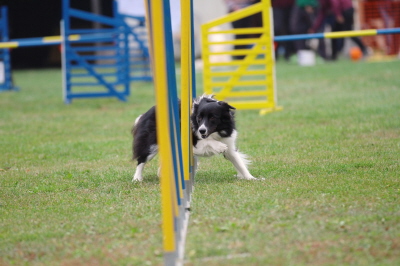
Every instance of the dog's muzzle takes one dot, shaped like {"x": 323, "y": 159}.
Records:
{"x": 203, "y": 133}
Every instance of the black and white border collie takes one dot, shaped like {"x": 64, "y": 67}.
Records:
{"x": 214, "y": 132}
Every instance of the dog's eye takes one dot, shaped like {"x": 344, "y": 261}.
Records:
{"x": 199, "y": 118}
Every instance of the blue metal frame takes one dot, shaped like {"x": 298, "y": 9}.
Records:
{"x": 5, "y": 53}
{"x": 139, "y": 55}
{"x": 103, "y": 63}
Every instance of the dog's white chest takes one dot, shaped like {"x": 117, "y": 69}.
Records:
{"x": 209, "y": 147}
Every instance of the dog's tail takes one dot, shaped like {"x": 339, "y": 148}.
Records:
{"x": 133, "y": 131}
{"x": 135, "y": 124}
{"x": 245, "y": 158}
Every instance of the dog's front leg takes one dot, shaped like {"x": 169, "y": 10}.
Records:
{"x": 239, "y": 161}
{"x": 138, "y": 173}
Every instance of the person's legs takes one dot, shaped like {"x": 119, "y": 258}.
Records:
{"x": 335, "y": 42}
{"x": 239, "y": 24}
{"x": 289, "y": 45}
{"x": 278, "y": 27}
{"x": 348, "y": 24}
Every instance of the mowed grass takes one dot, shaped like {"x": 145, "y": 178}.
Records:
{"x": 330, "y": 159}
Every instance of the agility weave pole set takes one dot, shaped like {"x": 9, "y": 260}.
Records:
{"x": 173, "y": 133}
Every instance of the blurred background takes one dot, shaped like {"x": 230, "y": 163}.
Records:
{"x": 33, "y": 18}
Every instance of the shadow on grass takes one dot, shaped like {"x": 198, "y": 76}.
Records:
{"x": 201, "y": 178}
{"x": 215, "y": 177}
{"x": 148, "y": 179}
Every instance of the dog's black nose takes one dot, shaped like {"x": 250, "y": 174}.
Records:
{"x": 202, "y": 131}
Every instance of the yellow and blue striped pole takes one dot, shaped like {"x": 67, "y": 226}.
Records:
{"x": 337, "y": 34}
{"x": 173, "y": 139}
{"x": 155, "y": 17}
{"x": 187, "y": 87}
{"x": 54, "y": 40}
{"x": 51, "y": 40}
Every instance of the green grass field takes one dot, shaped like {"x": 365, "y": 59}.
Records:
{"x": 330, "y": 159}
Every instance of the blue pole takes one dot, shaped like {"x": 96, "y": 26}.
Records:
{"x": 173, "y": 100}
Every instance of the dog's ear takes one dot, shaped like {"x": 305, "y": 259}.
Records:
{"x": 226, "y": 105}
{"x": 195, "y": 106}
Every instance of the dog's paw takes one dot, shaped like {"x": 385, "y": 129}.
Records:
{"x": 137, "y": 179}
{"x": 221, "y": 148}
{"x": 250, "y": 177}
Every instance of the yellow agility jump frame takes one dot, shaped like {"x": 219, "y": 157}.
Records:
{"x": 248, "y": 83}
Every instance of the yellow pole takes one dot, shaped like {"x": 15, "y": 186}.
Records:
{"x": 344, "y": 34}
{"x": 185, "y": 85}
{"x": 155, "y": 12}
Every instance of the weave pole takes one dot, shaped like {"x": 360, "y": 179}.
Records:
{"x": 173, "y": 136}
{"x": 188, "y": 93}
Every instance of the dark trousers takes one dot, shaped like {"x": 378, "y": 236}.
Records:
{"x": 300, "y": 22}
{"x": 282, "y": 27}
{"x": 247, "y": 22}
{"x": 347, "y": 25}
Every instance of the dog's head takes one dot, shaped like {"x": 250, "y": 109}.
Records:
{"x": 210, "y": 115}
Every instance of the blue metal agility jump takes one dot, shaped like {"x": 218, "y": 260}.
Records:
{"x": 139, "y": 55}
{"x": 5, "y": 60}
{"x": 99, "y": 66}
